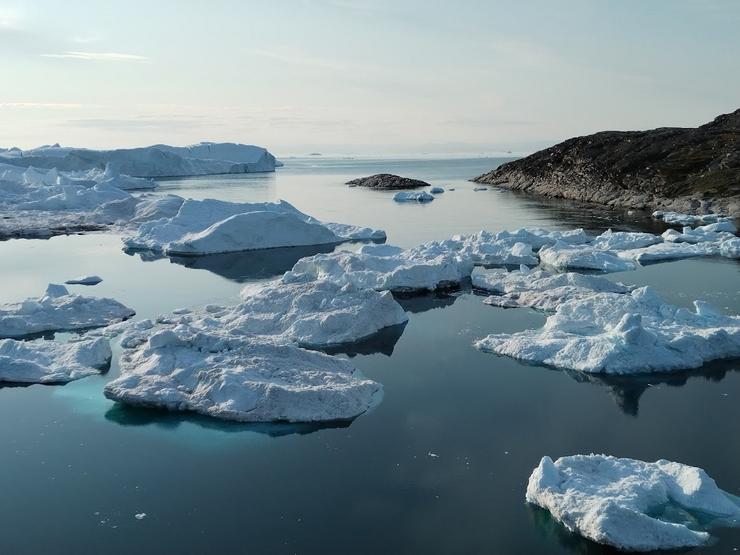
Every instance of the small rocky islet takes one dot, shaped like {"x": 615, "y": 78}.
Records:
{"x": 387, "y": 182}
{"x": 682, "y": 169}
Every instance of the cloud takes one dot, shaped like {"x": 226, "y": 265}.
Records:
{"x": 99, "y": 56}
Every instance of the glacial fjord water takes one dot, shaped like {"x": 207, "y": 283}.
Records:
{"x": 439, "y": 466}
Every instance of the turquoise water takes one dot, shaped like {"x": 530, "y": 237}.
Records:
{"x": 76, "y": 468}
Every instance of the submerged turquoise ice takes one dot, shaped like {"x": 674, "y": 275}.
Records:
{"x": 77, "y": 468}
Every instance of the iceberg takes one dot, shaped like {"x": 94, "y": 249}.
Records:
{"x": 540, "y": 289}
{"x": 624, "y": 240}
{"x": 563, "y": 256}
{"x": 316, "y": 314}
{"x": 239, "y": 378}
{"x": 631, "y": 333}
{"x": 51, "y": 362}
{"x": 385, "y": 267}
{"x": 436, "y": 190}
{"x": 413, "y": 196}
{"x": 152, "y": 161}
{"x": 688, "y": 219}
{"x": 628, "y": 504}
{"x": 214, "y": 226}
{"x": 58, "y": 310}
{"x": 84, "y": 280}
{"x": 484, "y": 249}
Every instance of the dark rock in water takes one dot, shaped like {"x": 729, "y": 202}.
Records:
{"x": 682, "y": 169}
{"x": 388, "y": 181}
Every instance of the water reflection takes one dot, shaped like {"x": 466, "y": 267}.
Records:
{"x": 430, "y": 301}
{"x": 554, "y": 532}
{"x": 167, "y": 420}
{"x": 382, "y": 342}
{"x": 627, "y": 390}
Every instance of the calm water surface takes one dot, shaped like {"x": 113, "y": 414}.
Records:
{"x": 76, "y": 467}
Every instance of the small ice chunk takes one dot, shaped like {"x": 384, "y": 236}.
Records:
{"x": 412, "y": 196}
{"x": 84, "y": 280}
{"x": 436, "y": 190}
{"x": 616, "y": 501}
{"x": 51, "y": 362}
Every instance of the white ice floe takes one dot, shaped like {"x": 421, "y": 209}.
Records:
{"x": 152, "y": 161}
{"x": 540, "y": 289}
{"x": 436, "y": 190}
{"x": 687, "y": 219}
{"x": 413, "y": 196}
{"x": 314, "y": 314}
{"x": 385, "y": 267}
{"x": 623, "y": 240}
{"x": 48, "y": 362}
{"x": 84, "y": 280}
{"x": 239, "y": 378}
{"x": 623, "y": 334}
{"x": 538, "y": 238}
{"x": 631, "y": 504}
{"x": 59, "y": 310}
{"x": 215, "y": 226}
{"x": 483, "y": 248}
{"x": 562, "y": 256}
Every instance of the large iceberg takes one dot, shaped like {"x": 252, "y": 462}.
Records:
{"x": 540, "y": 289}
{"x": 51, "y": 362}
{"x": 315, "y": 314}
{"x": 631, "y": 504}
{"x": 152, "y": 161}
{"x": 615, "y": 333}
{"x": 215, "y": 226}
{"x": 239, "y": 378}
{"x": 58, "y": 310}
{"x": 385, "y": 267}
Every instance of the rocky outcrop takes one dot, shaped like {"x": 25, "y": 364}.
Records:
{"x": 387, "y": 181}
{"x": 682, "y": 169}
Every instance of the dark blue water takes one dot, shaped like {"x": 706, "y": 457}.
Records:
{"x": 76, "y": 468}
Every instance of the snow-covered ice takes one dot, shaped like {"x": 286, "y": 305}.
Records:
{"x": 84, "y": 280}
{"x": 563, "y": 256}
{"x": 483, "y": 248}
{"x": 50, "y": 362}
{"x": 623, "y": 240}
{"x": 628, "y": 504}
{"x": 687, "y": 219}
{"x": 413, "y": 196}
{"x": 385, "y": 267}
{"x": 58, "y": 310}
{"x": 314, "y": 314}
{"x": 631, "y": 333}
{"x": 239, "y": 378}
{"x": 152, "y": 161}
{"x": 214, "y": 226}
{"x": 540, "y": 289}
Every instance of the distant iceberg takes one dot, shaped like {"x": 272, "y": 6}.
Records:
{"x": 152, "y": 161}
{"x": 630, "y": 504}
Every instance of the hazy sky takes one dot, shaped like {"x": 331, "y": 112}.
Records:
{"x": 361, "y": 76}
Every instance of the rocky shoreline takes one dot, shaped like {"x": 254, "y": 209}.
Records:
{"x": 694, "y": 170}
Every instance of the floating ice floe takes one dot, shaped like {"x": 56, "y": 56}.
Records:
{"x": 687, "y": 219}
{"x": 483, "y": 248}
{"x": 631, "y": 504}
{"x": 385, "y": 267}
{"x": 84, "y": 280}
{"x": 315, "y": 314}
{"x": 562, "y": 256}
{"x": 436, "y": 190}
{"x": 239, "y": 378}
{"x": 58, "y": 310}
{"x": 623, "y": 334}
{"x": 413, "y": 196}
{"x": 540, "y": 289}
{"x": 539, "y": 238}
{"x": 214, "y": 226}
{"x": 623, "y": 240}
{"x": 50, "y": 362}
{"x": 152, "y": 161}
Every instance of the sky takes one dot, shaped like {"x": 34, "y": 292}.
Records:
{"x": 361, "y": 77}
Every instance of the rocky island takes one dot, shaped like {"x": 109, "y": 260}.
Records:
{"x": 682, "y": 169}
{"x": 387, "y": 181}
